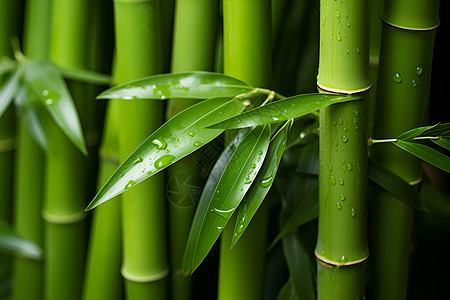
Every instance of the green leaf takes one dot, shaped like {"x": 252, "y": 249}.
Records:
{"x": 236, "y": 179}
{"x": 287, "y": 292}
{"x": 12, "y": 243}
{"x": 427, "y": 154}
{"x": 47, "y": 82}
{"x": 282, "y": 110}
{"x": 415, "y": 132}
{"x": 8, "y": 91}
{"x": 178, "y": 137}
{"x": 192, "y": 85}
{"x": 33, "y": 115}
{"x": 87, "y": 76}
{"x": 205, "y": 199}
{"x": 444, "y": 142}
{"x": 394, "y": 184}
{"x": 299, "y": 267}
{"x": 263, "y": 182}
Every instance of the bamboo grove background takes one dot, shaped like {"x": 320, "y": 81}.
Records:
{"x": 133, "y": 248}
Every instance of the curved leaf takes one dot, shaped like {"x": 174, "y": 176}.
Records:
{"x": 282, "y": 110}
{"x": 11, "y": 242}
{"x": 263, "y": 182}
{"x": 178, "y": 137}
{"x": 236, "y": 179}
{"x": 47, "y": 82}
{"x": 444, "y": 142}
{"x": 86, "y": 76}
{"x": 287, "y": 292}
{"x": 8, "y": 90}
{"x": 205, "y": 199}
{"x": 192, "y": 85}
{"x": 427, "y": 154}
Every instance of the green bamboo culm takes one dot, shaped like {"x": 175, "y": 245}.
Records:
{"x": 65, "y": 180}
{"x": 193, "y": 50}
{"x": 138, "y": 46}
{"x": 342, "y": 247}
{"x": 247, "y": 56}
{"x": 9, "y": 21}
{"x": 406, "y": 53}
{"x": 28, "y": 275}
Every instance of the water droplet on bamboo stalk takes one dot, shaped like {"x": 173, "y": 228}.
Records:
{"x": 414, "y": 83}
{"x": 341, "y": 181}
{"x": 129, "y": 184}
{"x": 357, "y": 50}
{"x": 330, "y": 167}
{"x": 419, "y": 70}
{"x": 349, "y": 167}
{"x": 397, "y": 78}
{"x": 50, "y": 97}
{"x": 343, "y": 259}
{"x": 342, "y": 197}
{"x": 224, "y": 213}
{"x": 267, "y": 181}
{"x": 344, "y": 139}
{"x": 338, "y": 206}
{"x": 353, "y": 213}
{"x": 333, "y": 180}
{"x": 138, "y": 160}
{"x": 338, "y": 37}
{"x": 347, "y": 51}
{"x": 197, "y": 144}
{"x": 164, "y": 161}
{"x": 341, "y": 122}
{"x": 348, "y": 24}
{"x": 191, "y": 133}
{"x": 160, "y": 144}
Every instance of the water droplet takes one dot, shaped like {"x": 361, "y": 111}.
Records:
{"x": 344, "y": 139}
{"x": 349, "y": 166}
{"x": 338, "y": 15}
{"x": 330, "y": 167}
{"x": 224, "y": 213}
{"x": 341, "y": 181}
{"x": 129, "y": 184}
{"x": 149, "y": 172}
{"x": 191, "y": 133}
{"x": 338, "y": 37}
{"x": 253, "y": 166}
{"x": 419, "y": 70}
{"x": 266, "y": 181}
{"x": 341, "y": 122}
{"x": 414, "y": 83}
{"x": 353, "y": 213}
{"x": 160, "y": 144}
{"x": 197, "y": 144}
{"x": 345, "y": 129}
{"x": 342, "y": 197}
{"x": 347, "y": 51}
{"x": 50, "y": 97}
{"x": 240, "y": 228}
{"x": 333, "y": 180}
{"x": 343, "y": 259}
{"x": 164, "y": 161}
{"x": 348, "y": 24}
{"x": 338, "y": 206}
{"x": 219, "y": 228}
{"x": 138, "y": 160}
{"x": 260, "y": 153}
{"x": 357, "y": 50}
{"x": 397, "y": 78}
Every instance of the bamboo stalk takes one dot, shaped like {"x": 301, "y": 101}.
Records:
{"x": 193, "y": 50}
{"x": 29, "y": 165}
{"x": 342, "y": 248}
{"x": 65, "y": 180}
{"x": 408, "y": 33}
{"x": 138, "y": 36}
{"x": 247, "y": 56}
{"x": 9, "y": 27}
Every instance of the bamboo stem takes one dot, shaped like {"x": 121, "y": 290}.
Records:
{"x": 342, "y": 247}
{"x": 402, "y": 98}
{"x": 193, "y": 50}
{"x": 138, "y": 37}
{"x": 247, "y": 56}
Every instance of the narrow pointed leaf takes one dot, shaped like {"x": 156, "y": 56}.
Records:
{"x": 8, "y": 91}
{"x": 427, "y": 154}
{"x": 415, "y": 132}
{"x": 439, "y": 130}
{"x": 33, "y": 115}
{"x": 192, "y": 85}
{"x": 178, "y": 137}
{"x": 236, "y": 179}
{"x": 12, "y": 243}
{"x": 282, "y": 110}
{"x": 394, "y": 184}
{"x": 205, "y": 199}
{"x": 87, "y": 76}
{"x": 263, "y": 182}
{"x": 47, "y": 82}
{"x": 444, "y": 142}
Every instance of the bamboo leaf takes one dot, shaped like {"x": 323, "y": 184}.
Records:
{"x": 438, "y": 130}
{"x": 427, "y": 154}
{"x": 46, "y": 81}
{"x": 205, "y": 199}
{"x": 11, "y": 242}
{"x": 299, "y": 267}
{"x": 415, "y": 132}
{"x": 394, "y": 184}
{"x": 287, "y": 292}
{"x": 236, "y": 179}
{"x": 175, "y": 139}
{"x": 444, "y": 142}
{"x": 33, "y": 115}
{"x": 87, "y": 76}
{"x": 192, "y": 85}
{"x": 8, "y": 91}
{"x": 282, "y": 110}
{"x": 263, "y": 182}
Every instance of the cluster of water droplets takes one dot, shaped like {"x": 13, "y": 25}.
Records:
{"x": 398, "y": 79}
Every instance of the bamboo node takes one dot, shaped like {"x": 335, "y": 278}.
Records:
{"x": 416, "y": 182}
{"x": 345, "y": 92}
{"x": 336, "y": 264}
{"x": 409, "y": 28}
{"x": 64, "y": 219}
{"x": 145, "y": 278}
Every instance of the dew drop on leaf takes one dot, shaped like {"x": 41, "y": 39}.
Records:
{"x": 160, "y": 144}
{"x": 129, "y": 184}
{"x": 164, "y": 161}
